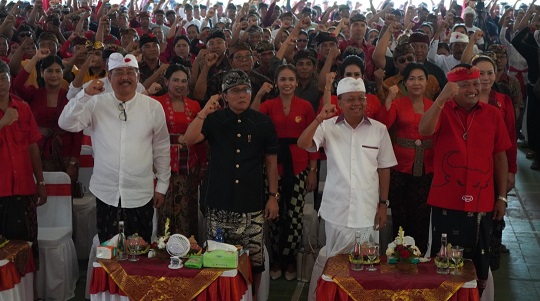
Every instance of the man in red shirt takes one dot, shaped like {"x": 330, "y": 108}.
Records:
{"x": 468, "y": 190}
{"x": 20, "y": 157}
{"x": 358, "y": 26}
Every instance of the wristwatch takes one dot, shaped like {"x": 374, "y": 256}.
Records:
{"x": 277, "y": 195}
{"x": 42, "y": 183}
{"x": 384, "y": 202}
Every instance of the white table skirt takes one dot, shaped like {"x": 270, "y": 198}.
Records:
{"x": 22, "y": 291}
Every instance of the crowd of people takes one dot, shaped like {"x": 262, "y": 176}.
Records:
{"x": 415, "y": 108}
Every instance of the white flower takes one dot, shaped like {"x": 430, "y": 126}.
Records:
{"x": 416, "y": 251}
{"x": 389, "y": 251}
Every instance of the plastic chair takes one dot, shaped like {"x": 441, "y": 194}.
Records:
{"x": 59, "y": 270}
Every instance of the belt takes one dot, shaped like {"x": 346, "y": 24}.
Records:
{"x": 419, "y": 146}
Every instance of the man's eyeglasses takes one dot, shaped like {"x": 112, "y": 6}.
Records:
{"x": 408, "y": 58}
{"x": 122, "y": 109}
{"x": 237, "y": 91}
{"x": 25, "y": 34}
{"x": 243, "y": 57}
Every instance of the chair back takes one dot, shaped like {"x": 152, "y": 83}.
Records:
{"x": 56, "y": 213}
{"x": 86, "y": 165}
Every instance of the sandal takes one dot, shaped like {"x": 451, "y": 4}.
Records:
{"x": 530, "y": 155}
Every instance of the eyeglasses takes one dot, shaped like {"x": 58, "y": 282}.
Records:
{"x": 25, "y": 34}
{"x": 122, "y": 109}
{"x": 237, "y": 91}
{"x": 243, "y": 57}
{"x": 408, "y": 58}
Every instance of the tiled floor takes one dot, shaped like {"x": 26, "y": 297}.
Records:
{"x": 519, "y": 275}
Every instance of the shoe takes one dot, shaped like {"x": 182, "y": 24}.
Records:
{"x": 290, "y": 276}
{"x": 535, "y": 165}
{"x": 275, "y": 274}
{"x": 504, "y": 249}
{"x": 530, "y": 155}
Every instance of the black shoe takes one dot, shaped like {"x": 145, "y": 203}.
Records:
{"x": 530, "y": 155}
{"x": 535, "y": 165}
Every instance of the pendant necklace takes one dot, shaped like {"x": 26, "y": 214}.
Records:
{"x": 463, "y": 126}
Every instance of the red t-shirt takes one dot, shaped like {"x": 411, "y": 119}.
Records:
{"x": 16, "y": 177}
{"x": 300, "y": 116}
{"x": 404, "y": 121}
{"x": 463, "y": 169}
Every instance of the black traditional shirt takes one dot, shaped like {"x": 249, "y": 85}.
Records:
{"x": 238, "y": 145}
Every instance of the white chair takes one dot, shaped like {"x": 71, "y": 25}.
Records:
{"x": 59, "y": 270}
{"x": 86, "y": 165}
{"x": 84, "y": 224}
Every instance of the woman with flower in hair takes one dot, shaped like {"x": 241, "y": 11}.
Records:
{"x": 488, "y": 71}
{"x": 297, "y": 168}
{"x": 181, "y": 203}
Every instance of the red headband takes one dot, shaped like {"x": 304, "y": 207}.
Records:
{"x": 463, "y": 73}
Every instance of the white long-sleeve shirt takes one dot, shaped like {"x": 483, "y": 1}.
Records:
{"x": 125, "y": 152}
{"x": 446, "y": 63}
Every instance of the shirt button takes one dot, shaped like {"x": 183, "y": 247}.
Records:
{"x": 236, "y": 181}
{"x": 239, "y": 121}
{"x": 238, "y": 151}
{"x": 237, "y": 165}
{"x": 238, "y": 135}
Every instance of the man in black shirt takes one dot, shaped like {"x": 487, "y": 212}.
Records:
{"x": 242, "y": 143}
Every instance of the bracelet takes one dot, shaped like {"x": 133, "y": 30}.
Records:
{"x": 328, "y": 89}
{"x": 41, "y": 183}
{"x": 314, "y": 169}
{"x": 198, "y": 116}
{"x": 439, "y": 105}
{"x": 502, "y": 199}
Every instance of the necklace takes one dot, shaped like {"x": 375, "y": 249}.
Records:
{"x": 463, "y": 126}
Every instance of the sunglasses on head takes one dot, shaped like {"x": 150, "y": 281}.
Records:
{"x": 408, "y": 58}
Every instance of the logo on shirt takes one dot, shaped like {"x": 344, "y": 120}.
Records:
{"x": 298, "y": 119}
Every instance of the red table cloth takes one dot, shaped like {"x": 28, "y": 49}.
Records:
{"x": 420, "y": 283}
{"x": 148, "y": 278}
{"x": 21, "y": 262}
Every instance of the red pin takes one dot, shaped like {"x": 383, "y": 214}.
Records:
{"x": 127, "y": 60}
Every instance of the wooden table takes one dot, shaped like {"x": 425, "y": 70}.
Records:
{"x": 148, "y": 278}
{"x": 422, "y": 282}
{"x": 16, "y": 271}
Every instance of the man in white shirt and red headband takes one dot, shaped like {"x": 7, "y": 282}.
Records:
{"x": 468, "y": 190}
{"x": 129, "y": 140}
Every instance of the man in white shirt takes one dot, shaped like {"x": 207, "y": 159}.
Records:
{"x": 359, "y": 154}
{"x": 130, "y": 139}
{"x": 468, "y": 16}
{"x": 458, "y": 42}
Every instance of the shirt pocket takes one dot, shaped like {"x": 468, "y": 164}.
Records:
{"x": 370, "y": 153}
{"x": 22, "y": 131}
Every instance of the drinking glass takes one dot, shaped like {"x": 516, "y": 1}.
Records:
{"x": 134, "y": 247}
{"x": 372, "y": 252}
{"x": 456, "y": 254}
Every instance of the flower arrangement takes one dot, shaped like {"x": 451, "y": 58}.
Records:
{"x": 161, "y": 242}
{"x": 402, "y": 249}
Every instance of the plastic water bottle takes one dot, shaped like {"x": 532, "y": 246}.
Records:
{"x": 219, "y": 235}
{"x": 443, "y": 265}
